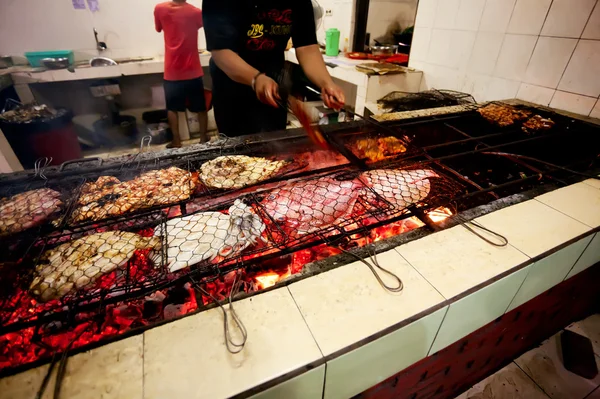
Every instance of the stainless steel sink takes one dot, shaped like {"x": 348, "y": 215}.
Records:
{"x": 102, "y": 62}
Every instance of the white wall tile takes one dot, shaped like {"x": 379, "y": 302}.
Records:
{"x": 426, "y": 13}
{"x": 461, "y": 48}
{"x": 528, "y": 16}
{"x": 354, "y": 372}
{"x": 535, "y": 94}
{"x": 496, "y": 15}
{"x": 582, "y": 75}
{"x": 549, "y": 61}
{"x": 420, "y": 44}
{"x": 476, "y": 85}
{"x": 440, "y": 47}
{"x": 514, "y": 56}
{"x": 567, "y": 18}
{"x": 476, "y": 310}
{"x": 500, "y": 89}
{"x": 592, "y": 29}
{"x": 572, "y": 102}
{"x": 485, "y": 52}
{"x": 445, "y": 15}
{"x": 596, "y": 111}
{"x": 469, "y": 14}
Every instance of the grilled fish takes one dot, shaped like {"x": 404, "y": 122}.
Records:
{"x": 29, "y": 209}
{"x": 237, "y": 171}
{"x": 206, "y": 235}
{"x": 309, "y": 205}
{"x": 79, "y": 263}
{"x": 400, "y": 187}
{"x": 108, "y": 196}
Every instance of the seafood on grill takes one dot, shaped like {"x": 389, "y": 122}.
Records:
{"x": 237, "y": 171}
{"x": 108, "y": 196}
{"x": 29, "y": 209}
{"x": 77, "y": 264}
{"x": 536, "y": 123}
{"x": 377, "y": 148}
{"x": 400, "y": 187}
{"x": 206, "y": 235}
{"x": 305, "y": 206}
{"x": 503, "y": 115}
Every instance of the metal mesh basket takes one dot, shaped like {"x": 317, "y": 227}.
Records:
{"x": 398, "y": 101}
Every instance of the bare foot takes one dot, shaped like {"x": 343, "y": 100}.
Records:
{"x": 174, "y": 145}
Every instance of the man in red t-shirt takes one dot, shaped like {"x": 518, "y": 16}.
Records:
{"x": 183, "y": 73}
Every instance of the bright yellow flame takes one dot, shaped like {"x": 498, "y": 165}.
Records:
{"x": 270, "y": 278}
{"x": 439, "y": 214}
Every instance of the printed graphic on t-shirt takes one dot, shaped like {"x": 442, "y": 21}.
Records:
{"x": 272, "y": 26}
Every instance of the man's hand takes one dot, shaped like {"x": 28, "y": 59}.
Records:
{"x": 267, "y": 90}
{"x": 333, "y": 96}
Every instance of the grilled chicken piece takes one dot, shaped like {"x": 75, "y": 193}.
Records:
{"x": 108, "y": 196}
{"x": 237, "y": 171}
{"x": 29, "y": 209}
{"x": 400, "y": 187}
{"x": 79, "y": 263}
{"x": 309, "y": 205}
{"x": 206, "y": 235}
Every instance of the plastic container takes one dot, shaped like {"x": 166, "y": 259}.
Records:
{"x": 332, "y": 42}
{"x": 35, "y": 57}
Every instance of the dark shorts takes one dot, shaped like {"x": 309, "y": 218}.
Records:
{"x": 182, "y": 94}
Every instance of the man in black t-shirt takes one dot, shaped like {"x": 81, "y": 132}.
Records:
{"x": 247, "y": 39}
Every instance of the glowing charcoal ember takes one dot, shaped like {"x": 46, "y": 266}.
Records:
{"x": 237, "y": 171}
{"x": 206, "y": 235}
{"x": 29, "y": 209}
{"x": 309, "y": 205}
{"x": 79, "y": 263}
{"x": 108, "y": 197}
{"x": 401, "y": 187}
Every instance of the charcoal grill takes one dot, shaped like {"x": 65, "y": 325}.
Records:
{"x": 471, "y": 156}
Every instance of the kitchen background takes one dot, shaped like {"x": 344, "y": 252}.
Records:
{"x": 543, "y": 51}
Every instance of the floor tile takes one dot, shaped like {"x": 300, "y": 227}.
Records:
{"x": 110, "y": 371}
{"x": 548, "y": 272}
{"x": 188, "y": 358}
{"x": 478, "y": 309}
{"x": 544, "y": 366}
{"x": 510, "y": 382}
{"x": 355, "y": 372}
{"x": 590, "y": 257}
{"x": 589, "y": 327}
{"x": 306, "y": 386}
{"x": 533, "y": 227}
{"x": 455, "y": 260}
{"x": 579, "y": 201}
{"x": 347, "y": 304}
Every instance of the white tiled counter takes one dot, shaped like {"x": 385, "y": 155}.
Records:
{"x": 338, "y": 333}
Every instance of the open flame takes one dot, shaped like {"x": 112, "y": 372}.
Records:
{"x": 438, "y": 214}
{"x": 270, "y": 278}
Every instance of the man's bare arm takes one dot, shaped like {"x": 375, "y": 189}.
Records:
{"x": 240, "y": 71}
{"x": 234, "y": 66}
{"x": 311, "y": 61}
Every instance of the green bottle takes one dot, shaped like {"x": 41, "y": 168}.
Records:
{"x": 332, "y": 42}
